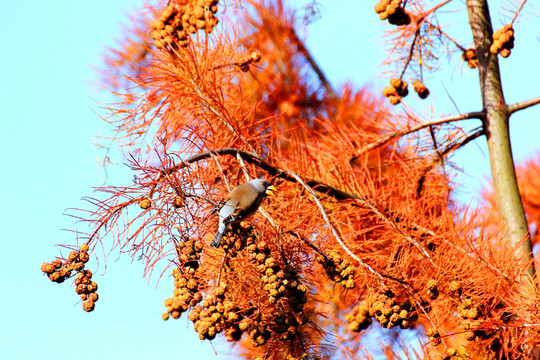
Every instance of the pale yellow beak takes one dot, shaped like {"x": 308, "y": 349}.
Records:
{"x": 270, "y": 191}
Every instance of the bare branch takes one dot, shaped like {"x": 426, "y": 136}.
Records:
{"x": 523, "y": 105}
{"x": 387, "y": 138}
{"x": 263, "y": 164}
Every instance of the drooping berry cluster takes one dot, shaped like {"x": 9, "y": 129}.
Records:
{"x": 338, "y": 269}
{"x": 277, "y": 281}
{"x": 455, "y": 354}
{"x": 432, "y": 289}
{"x": 244, "y": 62}
{"x": 220, "y": 313}
{"x": 389, "y": 313}
{"x": 421, "y": 89}
{"x": 393, "y": 11}
{"x": 260, "y": 327}
{"x": 455, "y": 288}
{"x": 237, "y": 238}
{"x": 503, "y": 41}
{"x": 470, "y": 57}
{"x": 145, "y": 203}
{"x": 59, "y": 270}
{"x": 86, "y": 289}
{"x": 284, "y": 288}
{"x": 186, "y": 283}
{"x": 217, "y": 314}
{"x": 257, "y": 329}
{"x": 286, "y": 324}
{"x": 359, "y": 319}
{"x": 177, "y": 21}
{"x": 397, "y": 89}
{"x": 179, "y": 201}
{"x": 470, "y": 314}
{"x": 189, "y": 252}
{"x": 434, "y": 336}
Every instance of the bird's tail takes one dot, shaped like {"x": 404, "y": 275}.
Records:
{"x": 219, "y": 234}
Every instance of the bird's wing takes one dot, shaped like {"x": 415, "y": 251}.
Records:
{"x": 248, "y": 204}
{"x": 227, "y": 211}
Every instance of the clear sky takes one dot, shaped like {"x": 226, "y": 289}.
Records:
{"x": 49, "y": 50}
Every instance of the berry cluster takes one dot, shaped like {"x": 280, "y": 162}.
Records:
{"x": 469, "y": 320}
{"x": 470, "y": 57}
{"x": 420, "y": 89}
{"x": 177, "y": 21}
{"x": 59, "y": 270}
{"x": 455, "y": 354}
{"x": 359, "y": 319}
{"x": 179, "y": 200}
{"x": 189, "y": 252}
{"x": 237, "y": 238}
{"x": 384, "y": 308}
{"x": 285, "y": 325}
{"x": 260, "y": 327}
{"x": 86, "y": 289}
{"x": 277, "y": 281}
{"x": 257, "y": 329}
{"x": 503, "y": 41}
{"x": 393, "y": 11}
{"x": 434, "y": 336}
{"x": 397, "y": 89}
{"x": 217, "y": 314}
{"x": 455, "y": 287}
{"x": 145, "y": 203}
{"x": 186, "y": 283}
{"x": 432, "y": 289}
{"x": 338, "y": 269}
{"x": 244, "y": 62}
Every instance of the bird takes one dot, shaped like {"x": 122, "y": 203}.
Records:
{"x": 240, "y": 203}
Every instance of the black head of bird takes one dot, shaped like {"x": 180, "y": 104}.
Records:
{"x": 240, "y": 203}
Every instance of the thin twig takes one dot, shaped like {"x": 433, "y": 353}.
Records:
{"x": 397, "y": 229}
{"x": 436, "y": 7}
{"x": 332, "y": 228}
{"x": 411, "y": 53}
{"x": 518, "y": 11}
{"x": 447, "y": 36}
{"x": 220, "y": 116}
{"x": 442, "y": 154}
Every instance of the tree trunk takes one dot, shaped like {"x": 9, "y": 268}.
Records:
{"x": 498, "y": 137}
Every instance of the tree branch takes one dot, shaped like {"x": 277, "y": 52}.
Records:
{"x": 263, "y": 164}
{"x": 387, "y": 138}
{"x": 523, "y": 105}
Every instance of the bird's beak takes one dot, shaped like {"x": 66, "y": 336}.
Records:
{"x": 270, "y": 191}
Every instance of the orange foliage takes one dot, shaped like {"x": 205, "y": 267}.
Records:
{"x": 361, "y": 232}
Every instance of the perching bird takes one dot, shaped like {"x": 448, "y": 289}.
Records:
{"x": 241, "y": 202}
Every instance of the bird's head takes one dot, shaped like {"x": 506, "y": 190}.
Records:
{"x": 264, "y": 186}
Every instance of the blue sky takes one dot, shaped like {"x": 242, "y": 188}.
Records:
{"x": 49, "y": 50}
